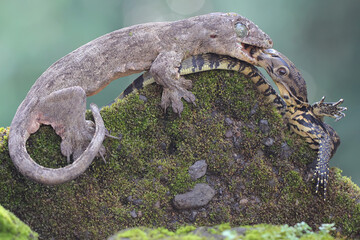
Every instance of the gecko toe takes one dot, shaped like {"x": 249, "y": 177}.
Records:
{"x": 185, "y": 83}
{"x": 66, "y": 150}
{"x": 189, "y": 97}
{"x": 76, "y": 140}
{"x": 177, "y": 105}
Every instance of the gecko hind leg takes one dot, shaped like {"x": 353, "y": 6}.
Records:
{"x": 65, "y": 110}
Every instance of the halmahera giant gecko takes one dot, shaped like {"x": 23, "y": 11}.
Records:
{"x": 58, "y": 97}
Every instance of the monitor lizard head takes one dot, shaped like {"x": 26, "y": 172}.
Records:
{"x": 286, "y": 76}
{"x": 232, "y": 35}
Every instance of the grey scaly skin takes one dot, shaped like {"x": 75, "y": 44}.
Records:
{"x": 58, "y": 96}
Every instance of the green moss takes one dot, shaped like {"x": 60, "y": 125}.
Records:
{"x": 43, "y": 144}
{"x": 295, "y": 187}
{"x": 12, "y": 228}
{"x": 4, "y": 134}
{"x": 254, "y": 183}
{"x": 185, "y": 229}
{"x": 299, "y": 231}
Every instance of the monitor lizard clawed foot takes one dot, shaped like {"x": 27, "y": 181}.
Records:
{"x": 329, "y": 109}
{"x": 320, "y": 177}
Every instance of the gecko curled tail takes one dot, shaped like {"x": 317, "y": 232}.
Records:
{"x": 49, "y": 176}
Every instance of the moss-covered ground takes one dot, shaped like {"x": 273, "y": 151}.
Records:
{"x": 255, "y": 183}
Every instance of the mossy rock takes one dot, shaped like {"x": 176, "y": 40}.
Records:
{"x": 12, "y": 228}
{"x": 255, "y": 182}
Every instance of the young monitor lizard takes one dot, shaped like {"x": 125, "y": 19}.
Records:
{"x": 58, "y": 96}
{"x": 304, "y": 119}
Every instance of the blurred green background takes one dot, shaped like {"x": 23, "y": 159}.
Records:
{"x": 321, "y": 37}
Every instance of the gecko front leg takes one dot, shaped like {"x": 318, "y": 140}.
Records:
{"x": 164, "y": 69}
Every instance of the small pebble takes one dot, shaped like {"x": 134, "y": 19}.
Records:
{"x": 133, "y": 214}
{"x": 157, "y": 205}
{"x": 228, "y": 134}
{"x": 243, "y": 201}
{"x": 163, "y": 146}
{"x": 272, "y": 183}
{"x": 142, "y": 97}
{"x": 264, "y": 126}
{"x": 228, "y": 121}
{"x": 198, "y": 169}
{"x": 193, "y": 215}
{"x": 285, "y": 150}
{"x": 138, "y": 202}
{"x": 254, "y": 109}
{"x": 198, "y": 197}
{"x": 268, "y": 141}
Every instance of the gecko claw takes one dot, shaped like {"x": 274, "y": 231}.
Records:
{"x": 173, "y": 97}
{"x": 102, "y": 156}
{"x": 111, "y": 136}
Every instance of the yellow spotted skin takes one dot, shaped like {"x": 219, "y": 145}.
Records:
{"x": 292, "y": 104}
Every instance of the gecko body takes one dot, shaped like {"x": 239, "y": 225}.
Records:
{"x": 58, "y": 96}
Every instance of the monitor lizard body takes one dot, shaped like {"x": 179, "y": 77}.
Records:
{"x": 304, "y": 119}
{"x": 207, "y": 62}
{"x": 58, "y": 96}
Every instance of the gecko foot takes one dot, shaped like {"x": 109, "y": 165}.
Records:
{"x": 75, "y": 142}
{"x": 329, "y": 109}
{"x": 172, "y": 96}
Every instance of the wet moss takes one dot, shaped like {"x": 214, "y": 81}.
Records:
{"x": 255, "y": 183}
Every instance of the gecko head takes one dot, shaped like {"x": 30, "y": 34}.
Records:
{"x": 284, "y": 73}
{"x": 236, "y": 36}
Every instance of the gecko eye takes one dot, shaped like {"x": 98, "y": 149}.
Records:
{"x": 282, "y": 71}
{"x": 241, "y": 30}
